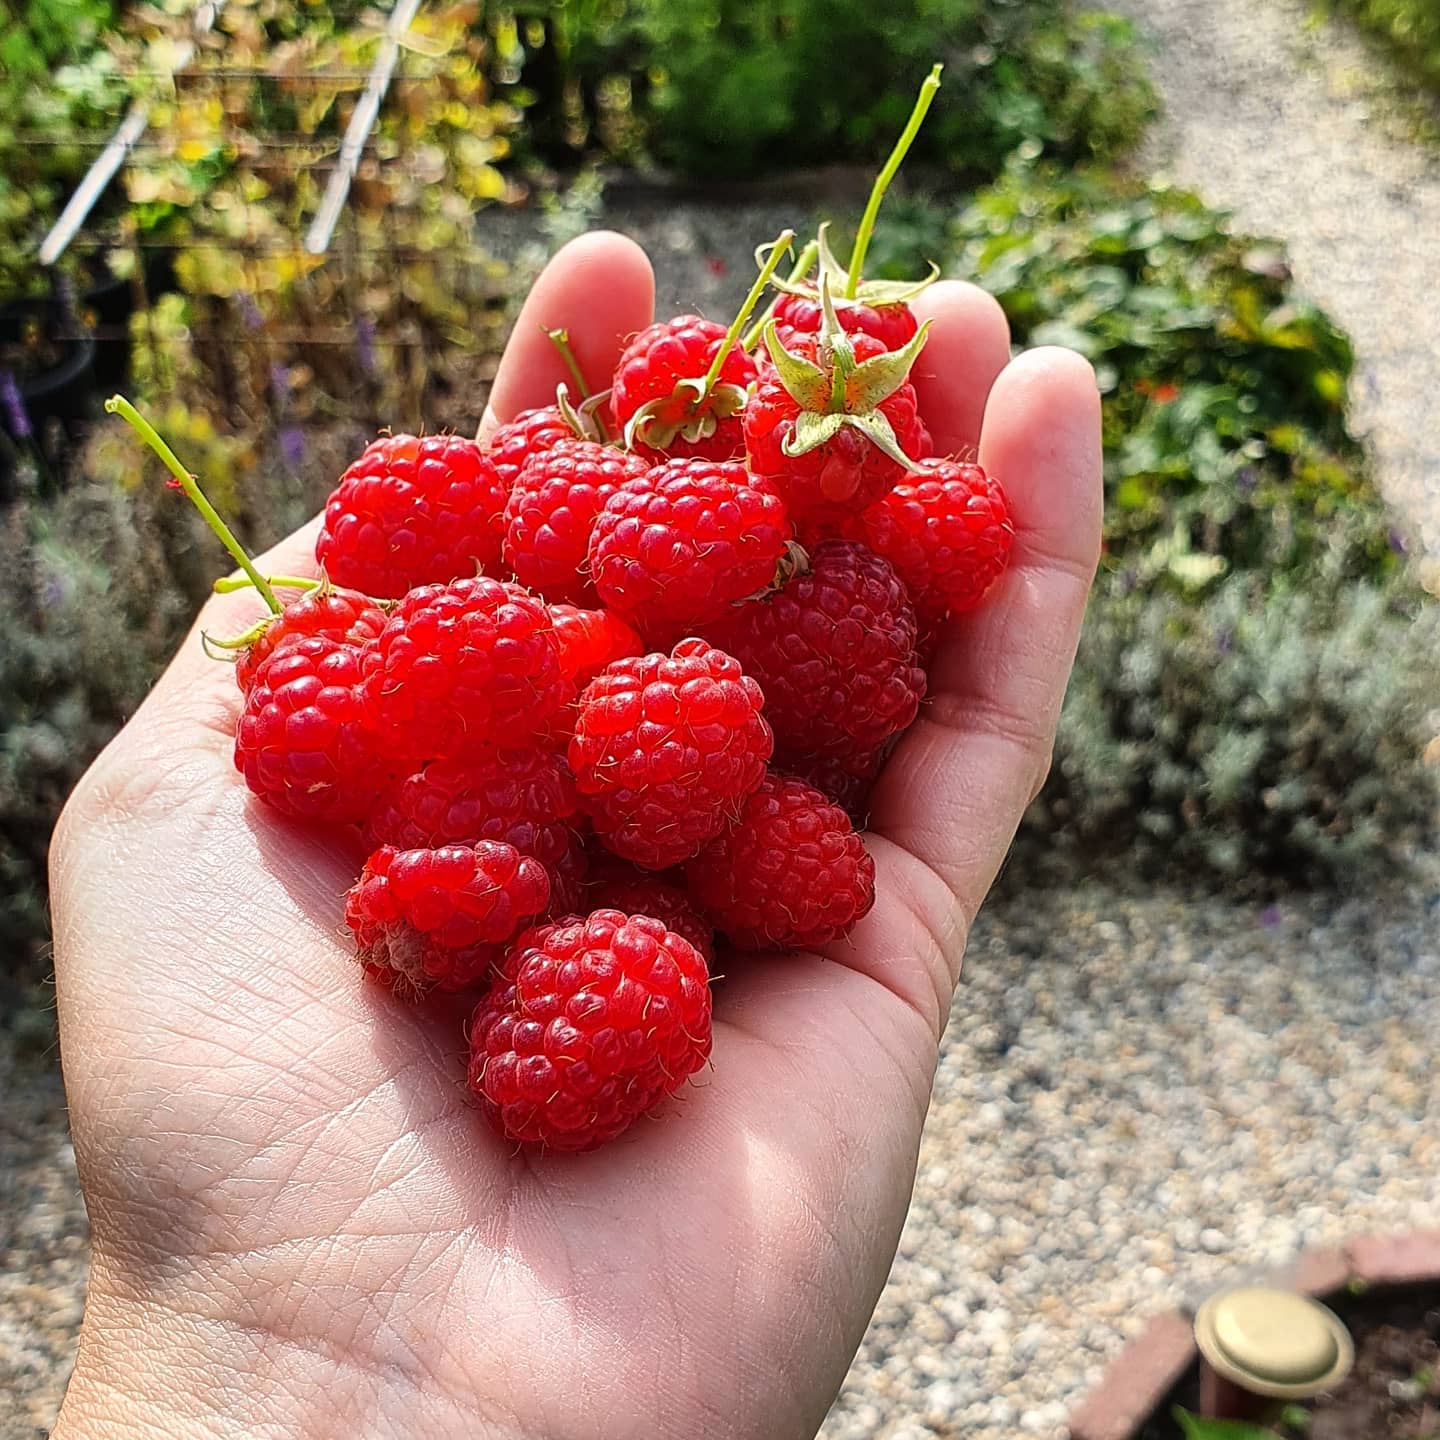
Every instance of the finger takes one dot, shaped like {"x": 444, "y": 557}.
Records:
{"x": 955, "y": 790}
{"x": 601, "y": 291}
{"x": 969, "y": 346}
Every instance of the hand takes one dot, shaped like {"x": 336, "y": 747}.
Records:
{"x": 302, "y": 1228}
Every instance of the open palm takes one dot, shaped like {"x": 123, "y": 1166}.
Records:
{"x": 302, "y": 1226}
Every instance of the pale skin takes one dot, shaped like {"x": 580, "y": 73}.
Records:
{"x": 301, "y": 1225}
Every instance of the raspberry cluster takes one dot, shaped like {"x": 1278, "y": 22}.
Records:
{"x": 606, "y": 697}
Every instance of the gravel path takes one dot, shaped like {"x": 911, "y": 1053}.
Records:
{"x": 1286, "y": 125}
{"x": 1138, "y": 1095}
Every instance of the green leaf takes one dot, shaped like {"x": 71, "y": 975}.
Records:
{"x": 812, "y": 430}
{"x": 1197, "y": 1427}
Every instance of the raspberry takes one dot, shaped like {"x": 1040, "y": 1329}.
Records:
{"x": 833, "y": 650}
{"x": 946, "y": 529}
{"x": 552, "y": 509}
{"x": 432, "y": 915}
{"x": 603, "y": 1019}
{"x": 655, "y": 399}
{"x": 525, "y": 797}
{"x": 841, "y": 474}
{"x": 642, "y": 894}
{"x": 792, "y": 873}
{"x": 590, "y": 639}
{"x": 845, "y": 779}
{"x": 894, "y": 326}
{"x": 412, "y": 510}
{"x": 672, "y": 549}
{"x": 328, "y": 613}
{"x": 461, "y": 666}
{"x": 666, "y": 747}
{"x": 530, "y": 433}
{"x": 304, "y": 741}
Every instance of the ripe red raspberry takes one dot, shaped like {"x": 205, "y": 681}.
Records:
{"x": 840, "y": 475}
{"x": 523, "y": 796}
{"x": 946, "y": 529}
{"x": 833, "y": 650}
{"x": 845, "y": 779}
{"x": 655, "y": 398}
{"x": 894, "y": 326}
{"x": 530, "y": 433}
{"x": 327, "y": 613}
{"x": 642, "y": 894}
{"x": 666, "y": 747}
{"x": 672, "y": 549}
{"x": 590, "y": 639}
{"x": 304, "y": 741}
{"x": 605, "y": 1017}
{"x": 410, "y": 907}
{"x": 552, "y": 509}
{"x": 792, "y": 874}
{"x": 412, "y": 510}
{"x": 461, "y": 666}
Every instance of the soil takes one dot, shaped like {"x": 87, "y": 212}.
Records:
{"x": 1393, "y": 1393}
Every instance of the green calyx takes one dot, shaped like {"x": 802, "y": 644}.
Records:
{"x": 694, "y": 409}
{"x": 835, "y": 390}
{"x": 867, "y": 292}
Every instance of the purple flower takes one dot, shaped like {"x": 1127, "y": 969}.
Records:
{"x": 365, "y": 346}
{"x": 1398, "y": 543}
{"x": 1246, "y": 480}
{"x": 1271, "y": 917}
{"x": 1224, "y": 641}
{"x": 14, "y": 403}
{"x": 280, "y": 385}
{"x": 250, "y": 311}
{"x": 54, "y": 592}
{"x": 292, "y": 445}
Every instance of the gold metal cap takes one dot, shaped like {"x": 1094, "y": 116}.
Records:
{"x": 1273, "y": 1342}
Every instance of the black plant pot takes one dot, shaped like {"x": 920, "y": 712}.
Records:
{"x": 110, "y": 300}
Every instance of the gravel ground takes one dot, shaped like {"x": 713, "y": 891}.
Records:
{"x": 1138, "y": 1096}
{"x": 1294, "y": 128}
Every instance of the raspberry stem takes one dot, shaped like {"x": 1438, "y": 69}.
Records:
{"x": 882, "y": 181}
{"x": 772, "y": 260}
{"x": 229, "y": 584}
{"x": 119, "y": 405}
{"x": 803, "y": 263}
{"x": 560, "y": 339}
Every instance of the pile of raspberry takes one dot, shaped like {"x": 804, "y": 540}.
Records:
{"x": 606, "y": 696}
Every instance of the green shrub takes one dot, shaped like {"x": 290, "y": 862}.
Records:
{"x": 733, "y": 88}
{"x": 1247, "y": 737}
{"x": 1410, "y": 28}
{"x": 1225, "y": 391}
{"x": 1250, "y": 690}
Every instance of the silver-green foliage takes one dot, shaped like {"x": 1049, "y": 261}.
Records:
{"x": 1247, "y": 737}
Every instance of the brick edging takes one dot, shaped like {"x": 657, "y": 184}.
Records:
{"x": 1147, "y": 1369}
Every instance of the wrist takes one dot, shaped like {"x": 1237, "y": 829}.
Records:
{"x": 147, "y": 1368}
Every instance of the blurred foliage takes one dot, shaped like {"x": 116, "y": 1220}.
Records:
{"x": 1250, "y": 697}
{"x": 731, "y": 88}
{"x": 1409, "y": 28}
{"x": 1247, "y": 737}
{"x": 1225, "y": 391}
{"x": 59, "y": 92}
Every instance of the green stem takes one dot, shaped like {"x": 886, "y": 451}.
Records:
{"x": 803, "y": 263}
{"x": 119, "y": 405}
{"x": 229, "y": 584}
{"x": 737, "y": 326}
{"x": 560, "y": 339}
{"x": 887, "y": 174}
